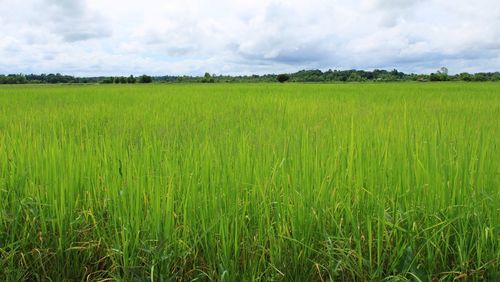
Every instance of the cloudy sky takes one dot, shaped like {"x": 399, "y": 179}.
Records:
{"x": 121, "y": 37}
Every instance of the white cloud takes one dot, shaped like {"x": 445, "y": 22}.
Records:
{"x": 92, "y": 37}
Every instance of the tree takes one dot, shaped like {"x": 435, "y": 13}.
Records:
{"x": 107, "y": 80}
{"x": 13, "y": 79}
{"x": 435, "y": 77}
{"x": 443, "y": 70}
{"x": 480, "y": 77}
{"x": 354, "y": 76}
{"x": 396, "y": 74}
{"x": 282, "y": 77}
{"x": 145, "y": 79}
{"x": 442, "y": 74}
{"x": 131, "y": 79}
{"x": 207, "y": 78}
{"x": 465, "y": 76}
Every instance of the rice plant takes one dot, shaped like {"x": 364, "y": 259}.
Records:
{"x": 240, "y": 182}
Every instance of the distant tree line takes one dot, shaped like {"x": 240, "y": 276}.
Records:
{"x": 59, "y": 78}
{"x": 131, "y": 79}
{"x": 300, "y": 76}
{"x": 334, "y": 76}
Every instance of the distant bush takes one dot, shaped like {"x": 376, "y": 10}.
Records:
{"x": 465, "y": 77}
{"x": 282, "y": 77}
{"x": 107, "y": 80}
{"x": 145, "y": 79}
{"x": 207, "y": 78}
{"x": 300, "y": 76}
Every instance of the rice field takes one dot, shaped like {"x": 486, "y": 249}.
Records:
{"x": 247, "y": 182}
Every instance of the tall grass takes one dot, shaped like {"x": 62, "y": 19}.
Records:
{"x": 250, "y": 182}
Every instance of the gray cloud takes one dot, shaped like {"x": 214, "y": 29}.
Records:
{"x": 95, "y": 37}
{"x": 74, "y": 21}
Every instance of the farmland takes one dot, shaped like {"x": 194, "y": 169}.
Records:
{"x": 287, "y": 182}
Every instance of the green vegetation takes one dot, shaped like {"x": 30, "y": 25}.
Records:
{"x": 282, "y": 77}
{"x": 287, "y": 182}
{"x": 300, "y": 76}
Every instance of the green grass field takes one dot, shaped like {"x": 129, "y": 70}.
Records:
{"x": 239, "y": 182}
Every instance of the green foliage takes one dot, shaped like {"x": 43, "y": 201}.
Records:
{"x": 145, "y": 79}
{"x": 107, "y": 80}
{"x": 353, "y": 77}
{"x": 207, "y": 78}
{"x": 131, "y": 79}
{"x": 282, "y": 77}
{"x": 480, "y": 77}
{"x": 465, "y": 77}
{"x": 293, "y": 182}
{"x": 300, "y": 76}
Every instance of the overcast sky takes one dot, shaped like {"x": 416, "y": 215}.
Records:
{"x": 121, "y": 37}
